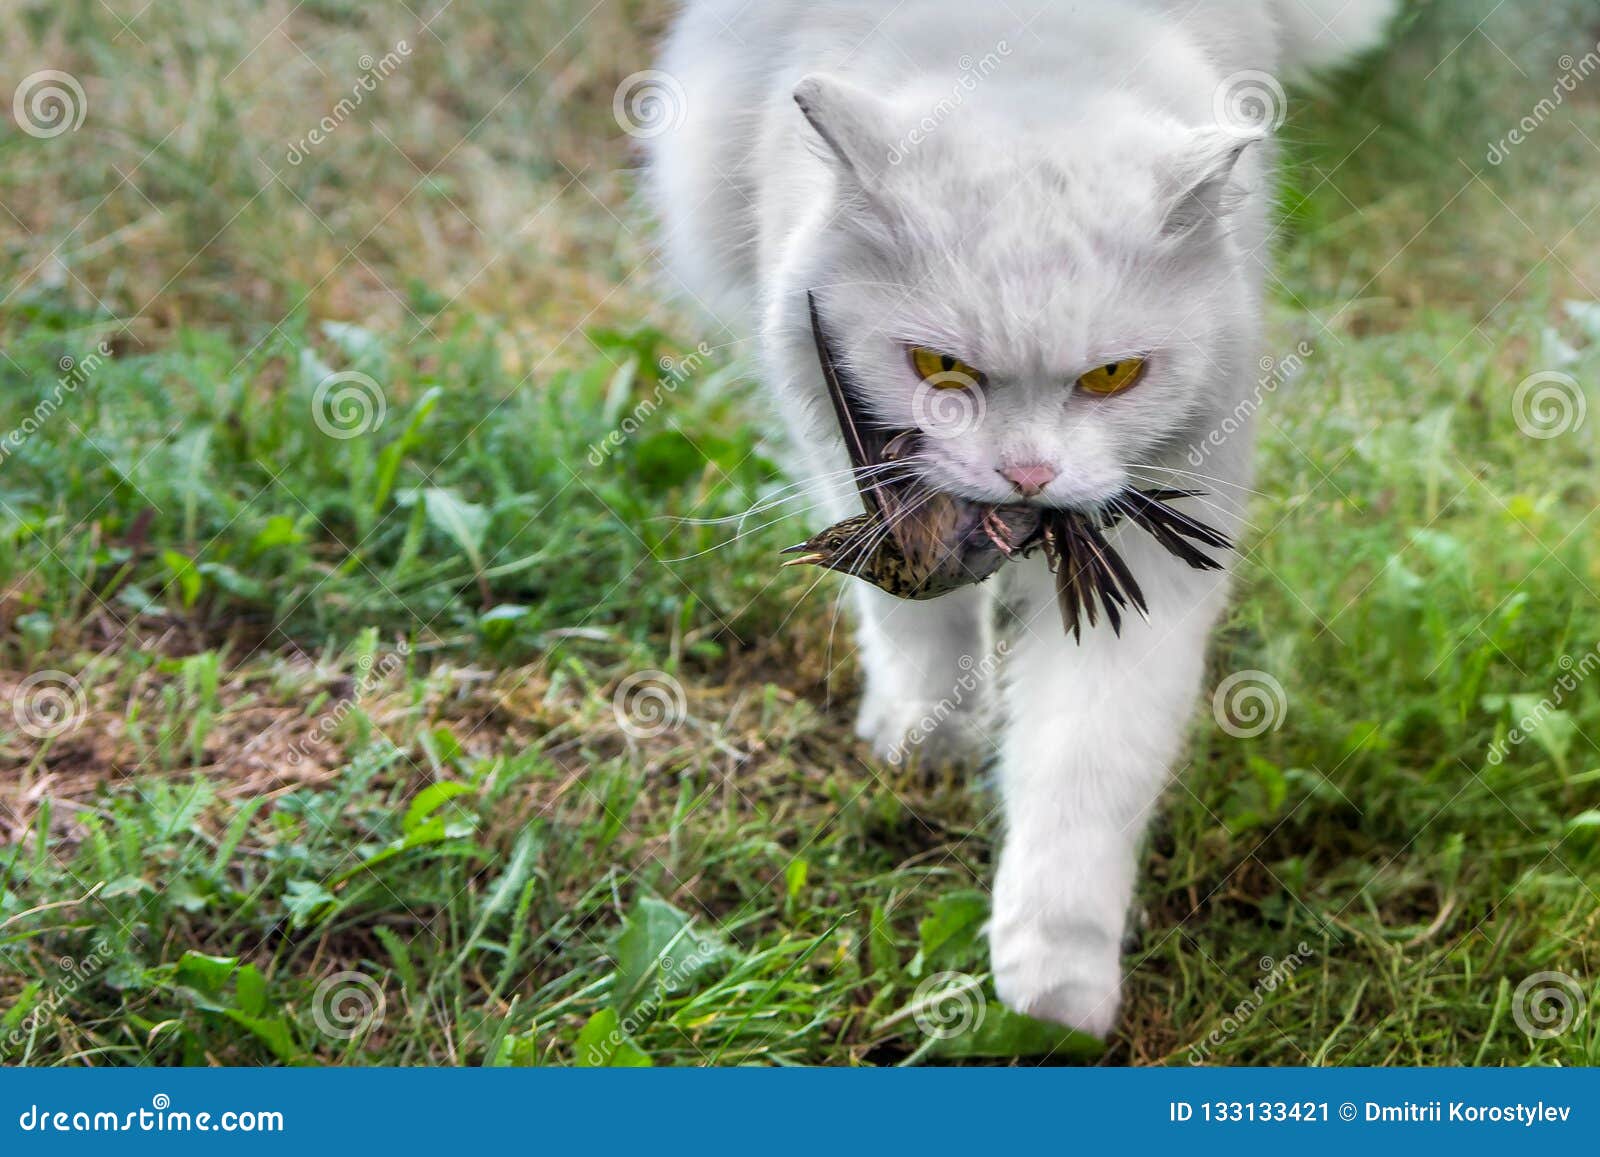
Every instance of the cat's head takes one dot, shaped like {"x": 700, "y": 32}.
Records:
{"x": 1054, "y": 304}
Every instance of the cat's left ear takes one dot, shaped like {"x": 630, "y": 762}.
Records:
{"x": 851, "y": 122}
{"x": 1200, "y": 193}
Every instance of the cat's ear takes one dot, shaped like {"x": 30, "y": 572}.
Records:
{"x": 851, "y": 122}
{"x": 1200, "y": 193}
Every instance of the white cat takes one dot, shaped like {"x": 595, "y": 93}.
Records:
{"x": 1065, "y": 206}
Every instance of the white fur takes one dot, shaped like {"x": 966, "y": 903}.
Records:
{"x": 1075, "y": 202}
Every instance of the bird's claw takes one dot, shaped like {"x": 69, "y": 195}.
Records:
{"x": 998, "y": 533}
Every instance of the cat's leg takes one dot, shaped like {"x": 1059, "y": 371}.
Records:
{"x": 925, "y": 665}
{"x": 1092, "y": 733}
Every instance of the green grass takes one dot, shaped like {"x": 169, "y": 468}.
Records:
{"x": 347, "y": 771}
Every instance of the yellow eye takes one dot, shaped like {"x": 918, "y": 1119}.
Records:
{"x": 1113, "y": 377}
{"x": 943, "y": 372}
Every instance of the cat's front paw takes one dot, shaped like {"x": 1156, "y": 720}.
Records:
{"x": 903, "y": 731}
{"x": 1074, "y": 981}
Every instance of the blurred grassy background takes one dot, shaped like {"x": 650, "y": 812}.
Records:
{"x": 315, "y": 751}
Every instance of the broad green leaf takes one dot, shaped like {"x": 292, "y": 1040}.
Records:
{"x": 279, "y": 530}
{"x": 949, "y": 934}
{"x": 394, "y": 453}
{"x": 183, "y": 572}
{"x": 602, "y": 1044}
{"x": 304, "y": 899}
{"x": 794, "y": 878}
{"x": 125, "y": 886}
{"x": 999, "y": 1032}
{"x": 499, "y": 624}
{"x": 209, "y": 974}
{"x": 465, "y": 523}
{"x": 658, "y": 949}
{"x": 619, "y": 390}
{"x": 272, "y": 1031}
{"x": 429, "y": 800}
{"x": 507, "y": 887}
{"x": 515, "y": 1050}
{"x": 250, "y": 988}
{"x": 233, "y": 582}
{"x": 1547, "y": 725}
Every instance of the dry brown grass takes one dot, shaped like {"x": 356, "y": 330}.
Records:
{"x": 484, "y": 176}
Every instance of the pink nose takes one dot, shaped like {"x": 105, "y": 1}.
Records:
{"x": 1031, "y": 478}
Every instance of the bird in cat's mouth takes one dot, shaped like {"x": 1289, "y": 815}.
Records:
{"x": 916, "y": 542}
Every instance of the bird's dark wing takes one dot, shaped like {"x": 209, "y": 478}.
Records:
{"x": 864, "y": 443}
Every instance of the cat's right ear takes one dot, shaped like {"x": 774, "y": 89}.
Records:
{"x": 1202, "y": 191}
{"x": 851, "y": 122}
